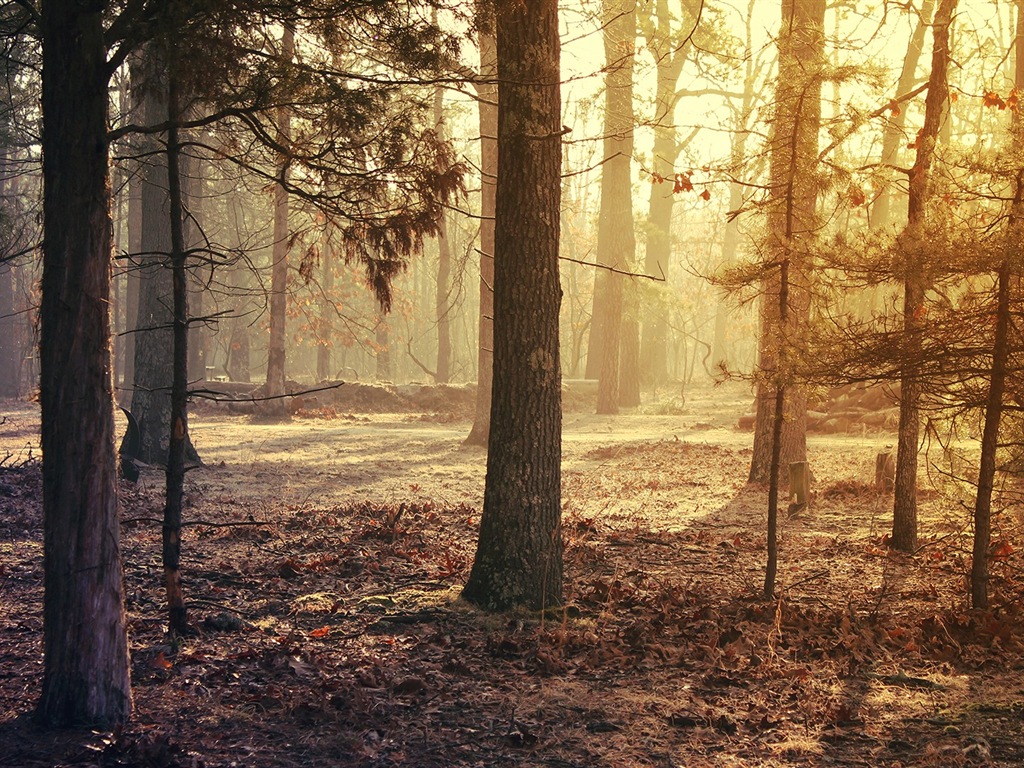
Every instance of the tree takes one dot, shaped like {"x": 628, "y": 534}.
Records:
{"x": 278, "y": 299}
{"x": 893, "y": 134}
{"x": 616, "y": 241}
{"x": 85, "y": 652}
{"x": 442, "y": 290}
{"x": 519, "y": 554}
{"x": 153, "y": 367}
{"x": 914, "y": 252}
{"x": 792, "y": 224}
{"x": 487, "y": 103}
{"x": 670, "y": 54}
{"x": 1009, "y": 271}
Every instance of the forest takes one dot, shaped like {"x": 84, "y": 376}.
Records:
{"x": 511, "y": 383}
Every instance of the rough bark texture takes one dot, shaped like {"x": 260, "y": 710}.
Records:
{"x": 154, "y": 339}
{"x": 914, "y": 247}
{"x": 519, "y": 555}
{"x": 86, "y": 666}
{"x": 177, "y": 616}
{"x": 616, "y": 241}
{"x": 487, "y": 93}
{"x": 278, "y": 300}
{"x": 792, "y": 226}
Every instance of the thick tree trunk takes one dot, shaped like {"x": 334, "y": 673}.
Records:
{"x": 792, "y": 225}
{"x": 154, "y": 339}
{"x": 904, "y": 523}
{"x": 519, "y": 554}
{"x": 276, "y": 408}
{"x": 616, "y": 241}
{"x": 85, "y": 652}
{"x": 487, "y": 95}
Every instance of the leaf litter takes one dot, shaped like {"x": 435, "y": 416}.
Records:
{"x": 323, "y": 561}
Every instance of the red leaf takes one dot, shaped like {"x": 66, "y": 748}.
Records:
{"x": 322, "y": 632}
{"x": 857, "y": 196}
{"x": 1002, "y": 550}
{"x": 993, "y": 99}
{"x": 706, "y": 195}
{"x": 160, "y": 662}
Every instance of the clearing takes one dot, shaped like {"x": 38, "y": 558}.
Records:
{"x": 324, "y": 558}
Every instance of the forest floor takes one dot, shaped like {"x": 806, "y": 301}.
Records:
{"x": 323, "y": 563}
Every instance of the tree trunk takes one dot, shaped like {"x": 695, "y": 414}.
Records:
{"x": 154, "y": 339}
{"x": 324, "y": 372}
{"x": 276, "y": 408}
{"x": 85, "y": 651}
{"x": 9, "y": 364}
{"x": 487, "y": 101}
{"x": 904, "y": 523}
{"x": 616, "y": 242}
{"x": 134, "y": 261}
{"x": 10, "y": 351}
{"x": 670, "y": 56}
{"x": 792, "y": 224}
{"x": 1000, "y": 355}
{"x": 442, "y": 372}
{"x": 175, "y": 475}
{"x": 720, "y": 357}
{"x": 893, "y": 134}
{"x": 382, "y": 340}
{"x": 519, "y": 555}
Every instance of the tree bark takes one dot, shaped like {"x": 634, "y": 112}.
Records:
{"x": 519, "y": 554}
{"x": 175, "y": 475}
{"x": 154, "y": 337}
{"x": 277, "y": 408}
{"x": 85, "y": 651}
{"x": 487, "y": 101}
{"x": 792, "y": 225}
{"x": 442, "y": 373}
{"x": 914, "y": 248}
{"x": 616, "y": 241}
